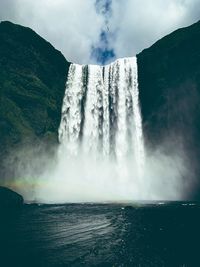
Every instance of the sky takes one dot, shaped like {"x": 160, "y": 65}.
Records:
{"x": 99, "y": 31}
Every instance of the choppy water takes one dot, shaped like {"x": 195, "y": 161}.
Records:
{"x": 156, "y": 234}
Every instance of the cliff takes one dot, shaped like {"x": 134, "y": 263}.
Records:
{"x": 32, "y": 83}
{"x": 169, "y": 83}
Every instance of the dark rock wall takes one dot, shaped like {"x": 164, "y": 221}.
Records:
{"x": 169, "y": 84}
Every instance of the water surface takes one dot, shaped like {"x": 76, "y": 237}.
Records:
{"x": 140, "y": 234}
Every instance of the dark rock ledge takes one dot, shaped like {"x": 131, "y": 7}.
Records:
{"x": 10, "y": 200}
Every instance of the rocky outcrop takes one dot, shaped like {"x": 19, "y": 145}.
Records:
{"x": 10, "y": 199}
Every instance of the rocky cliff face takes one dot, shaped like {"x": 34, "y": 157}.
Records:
{"x": 169, "y": 83}
{"x": 32, "y": 84}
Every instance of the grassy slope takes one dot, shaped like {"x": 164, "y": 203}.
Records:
{"x": 32, "y": 83}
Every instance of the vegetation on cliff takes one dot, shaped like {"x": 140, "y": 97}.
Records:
{"x": 32, "y": 83}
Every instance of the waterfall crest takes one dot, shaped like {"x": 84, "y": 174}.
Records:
{"x": 101, "y": 112}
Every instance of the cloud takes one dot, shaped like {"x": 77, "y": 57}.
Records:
{"x": 102, "y": 51}
{"x": 71, "y": 26}
{"x": 8, "y": 10}
{"x": 76, "y": 27}
{"x": 144, "y": 22}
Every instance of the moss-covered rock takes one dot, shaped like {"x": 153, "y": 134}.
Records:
{"x": 32, "y": 84}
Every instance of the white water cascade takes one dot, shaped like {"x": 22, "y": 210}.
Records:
{"x": 101, "y": 122}
{"x": 101, "y": 156}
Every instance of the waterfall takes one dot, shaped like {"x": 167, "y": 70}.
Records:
{"x": 101, "y": 156}
{"x": 101, "y": 113}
